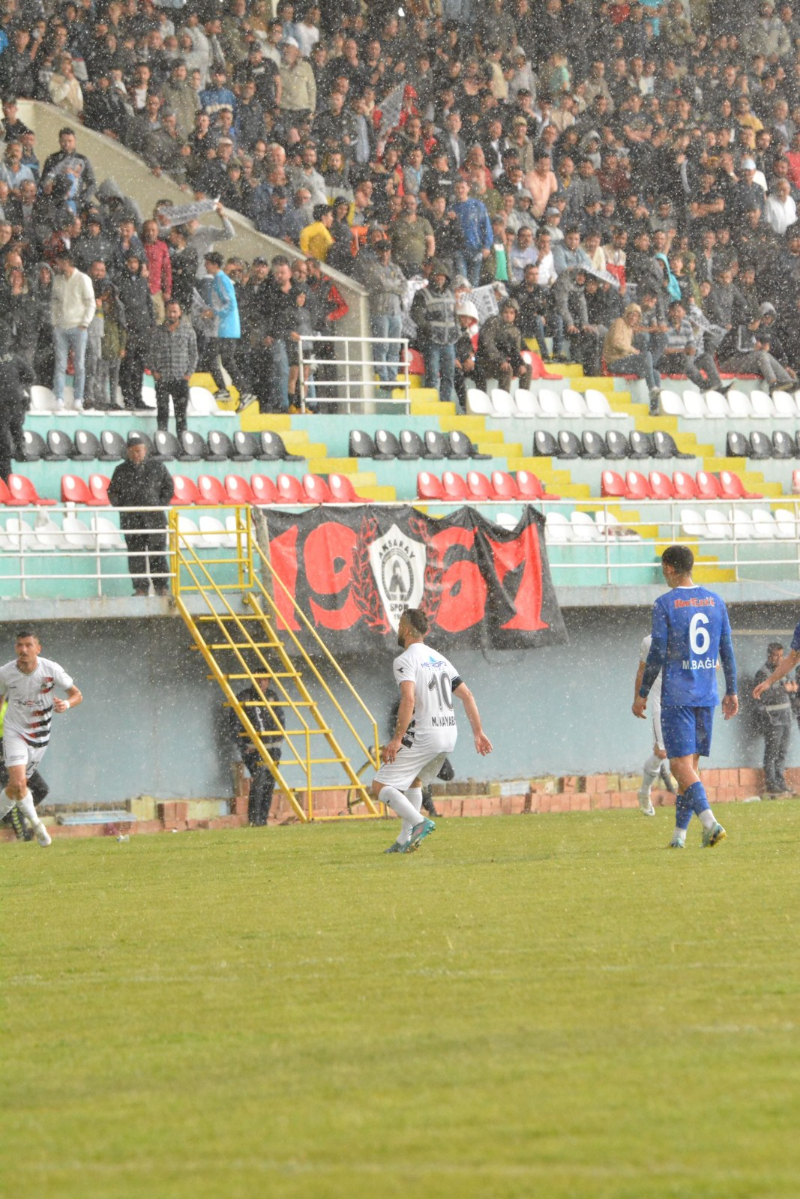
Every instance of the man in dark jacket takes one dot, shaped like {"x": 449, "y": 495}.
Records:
{"x": 15, "y": 374}
{"x": 434, "y": 312}
{"x": 775, "y": 721}
{"x": 134, "y": 295}
{"x": 139, "y": 483}
{"x": 499, "y": 349}
{"x": 266, "y": 719}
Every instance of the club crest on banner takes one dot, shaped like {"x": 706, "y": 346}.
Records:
{"x": 398, "y": 563}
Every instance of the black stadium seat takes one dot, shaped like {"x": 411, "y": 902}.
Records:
{"x": 462, "y": 447}
{"x": 760, "y": 445}
{"x": 361, "y": 445}
{"x": 35, "y": 446}
{"x": 617, "y": 445}
{"x": 411, "y": 445}
{"x": 87, "y": 447}
{"x": 59, "y": 446}
{"x": 641, "y": 444}
{"x": 220, "y": 447}
{"x": 544, "y": 444}
{"x": 436, "y": 444}
{"x": 272, "y": 448}
{"x": 783, "y": 445}
{"x": 569, "y": 444}
{"x": 664, "y": 446}
{"x": 245, "y": 446}
{"x": 146, "y": 438}
{"x": 387, "y": 447}
{"x": 737, "y": 445}
{"x": 167, "y": 446}
{"x": 593, "y": 444}
{"x": 112, "y": 446}
{"x": 192, "y": 447}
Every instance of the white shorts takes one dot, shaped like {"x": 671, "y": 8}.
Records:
{"x": 658, "y": 736}
{"x": 423, "y": 759}
{"x": 17, "y": 752}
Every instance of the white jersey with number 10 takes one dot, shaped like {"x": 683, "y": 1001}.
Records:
{"x": 434, "y": 679}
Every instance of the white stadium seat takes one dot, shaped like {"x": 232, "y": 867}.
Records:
{"x": 672, "y": 404}
{"x": 478, "y": 403}
{"x": 558, "y": 528}
{"x": 739, "y": 405}
{"x": 693, "y": 405}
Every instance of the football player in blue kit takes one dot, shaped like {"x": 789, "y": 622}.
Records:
{"x": 691, "y": 637}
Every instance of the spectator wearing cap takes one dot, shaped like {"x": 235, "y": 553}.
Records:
{"x": 298, "y": 85}
{"x": 222, "y": 350}
{"x": 747, "y": 194}
{"x": 433, "y": 311}
{"x": 142, "y": 486}
{"x": 386, "y": 286}
{"x": 73, "y": 307}
{"x": 275, "y": 220}
{"x": 316, "y": 239}
{"x": 172, "y": 360}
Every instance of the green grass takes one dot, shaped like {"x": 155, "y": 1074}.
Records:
{"x": 530, "y": 1006}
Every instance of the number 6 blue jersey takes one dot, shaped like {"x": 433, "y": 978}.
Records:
{"x": 691, "y": 637}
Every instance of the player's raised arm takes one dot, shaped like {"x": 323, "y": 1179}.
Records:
{"x": 408, "y": 695}
{"x": 783, "y": 668}
{"x": 482, "y": 742}
{"x": 74, "y": 698}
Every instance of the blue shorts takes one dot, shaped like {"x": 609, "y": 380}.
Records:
{"x": 687, "y": 730}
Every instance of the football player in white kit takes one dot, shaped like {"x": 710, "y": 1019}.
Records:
{"x": 657, "y": 763}
{"x": 426, "y": 729}
{"x": 29, "y": 682}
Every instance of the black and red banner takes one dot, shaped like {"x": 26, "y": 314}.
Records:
{"x": 354, "y": 570}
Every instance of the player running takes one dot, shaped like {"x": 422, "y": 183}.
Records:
{"x": 28, "y": 682}
{"x": 691, "y": 636}
{"x": 426, "y": 729}
{"x": 657, "y": 763}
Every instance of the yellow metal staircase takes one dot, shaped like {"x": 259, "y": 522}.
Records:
{"x": 239, "y": 612}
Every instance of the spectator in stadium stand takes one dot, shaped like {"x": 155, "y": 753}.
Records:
{"x": 386, "y": 286}
{"x": 172, "y": 360}
{"x": 73, "y": 307}
{"x": 316, "y": 239}
{"x": 137, "y": 301}
{"x": 222, "y": 349}
{"x": 159, "y": 268}
{"x": 143, "y": 483}
{"x": 622, "y": 357}
{"x": 279, "y": 302}
{"x": 499, "y": 346}
{"x": 412, "y": 237}
{"x": 15, "y": 377}
{"x": 433, "y": 311}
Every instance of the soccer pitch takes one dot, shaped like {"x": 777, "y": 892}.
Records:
{"x": 552, "y": 1006}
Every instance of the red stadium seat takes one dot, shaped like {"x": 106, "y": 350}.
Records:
{"x": 684, "y": 486}
{"x": 74, "y": 491}
{"x": 504, "y": 485}
{"x": 708, "y": 487}
{"x": 453, "y": 486}
{"x": 5, "y": 494}
{"x": 428, "y": 487}
{"x": 290, "y": 490}
{"x": 416, "y": 363}
{"x": 98, "y": 489}
{"x": 263, "y": 489}
{"x": 186, "y": 492}
{"x": 238, "y": 490}
{"x": 316, "y": 489}
{"x": 636, "y": 486}
{"x": 530, "y": 487}
{"x": 211, "y": 490}
{"x": 733, "y": 488}
{"x": 478, "y": 486}
{"x": 612, "y": 485}
{"x": 661, "y": 486}
{"x": 23, "y": 492}
{"x": 343, "y": 492}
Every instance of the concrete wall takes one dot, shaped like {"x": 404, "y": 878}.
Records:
{"x": 151, "y": 723}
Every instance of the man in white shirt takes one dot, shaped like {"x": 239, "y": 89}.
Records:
{"x": 426, "y": 729}
{"x": 657, "y": 763}
{"x": 780, "y": 210}
{"x": 72, "y": 308}
{"x": 28, "y": 682}
{"x": 544, "y": 260}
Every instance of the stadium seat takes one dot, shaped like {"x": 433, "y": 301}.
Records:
{"x": 478, "y": 403}
{"x": 454, "y": 487}
{"x": 742, "y": 525}
{"x": 186, "y": 492}
{"x": 708, "y": 487}
{"x": 593, "y": 443}
{"x": 412, "y": 446}
{"x": 549, "y": 403}
{"x": 60, "y": 447}
{"x": 502, "y": 403}
{"x": 504, "y": 486}
{"x": 387, "y": 447}
{"x": 598, "y": 407}
{"x": 245, "y": 446}
{"x": 478, "y": 486}
{"x": 692, "y": 523}
{"x": 785, "y": 525}
{"x": 617, "y": 445}
{"x": 664, "y": 446}
{"x": 783, "y": 445}
{"x": 87, "y": 447}
{"x": 784, "y": 405}
{"x": 74, "y": 491}
{"x": 637, "y": 486}
{"x": 42, "y": 399}
{"x": 214, "y": 535}
{"x": 112, "y": 446}
{"x": 738, "y": 405}
{"x": 220, "y": 446}
{"x": 273, "y": 448}
{"x": 761, "y": 405}
{"x": 764, "y": 527}
{"x": 544, "y": 444}
{"x": 211, "y": 490}
{"x": 719, "y": 526}
{"x": 693, "y": 405}
{"x": 574, "y": 405}
{"x": 612, "y": 485}
{"x": 314, "y": 487}
{"x": 264, "y": 489}
{"x": 436, "y": 444}
{"x": 583, "y": 527}
{"x": 661, "y": 486}
{"x": 530, "y": 487}
{"x": 428, "y": 486}
{"x": 342, "y": 490}
{"x": 192, "y": 447}
{"x": 641, "y": 444}
{"x": 35, "y": 446}
{"x": 462, "y": 447}
{"x": 526, "y": 404}
{"x": 797, "y": 442}
{"x": 78, "y": 535}
{"x": 760, "y": 445}
{"x": 5, "y": 494}
{"x": 737, "y": 445}
{"x": 292, "y": 490}
{"x": 238, "y": 490}
{"x": 98, "y": 489}
{"x": 557, "y": 528}
{"x": 684, "y": 486}
{"x": 506, "y": 520}
{"x": 732, "y": 487}
{"x": 360, "y": 445}
{"x": 716, "y": 405}
{"x": 167, "y": 447}
{"x": 672, "y": 404}
{"x": 569, "y": 445}
{"x": 202, "y": 402}
{"x": 23, "y": 492}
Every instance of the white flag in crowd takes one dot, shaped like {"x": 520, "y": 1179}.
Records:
{"x": 171, "y": 215}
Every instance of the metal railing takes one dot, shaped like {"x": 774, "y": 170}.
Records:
{"x": 345, "y": 375}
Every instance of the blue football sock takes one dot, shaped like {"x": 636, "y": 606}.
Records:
{"x": 696, "y": 796}
{"x": 683, "y": 811}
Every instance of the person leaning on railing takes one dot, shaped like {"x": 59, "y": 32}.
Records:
{"x": 144, "y": 484}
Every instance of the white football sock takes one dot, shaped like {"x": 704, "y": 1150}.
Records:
{"x": 707, "y": 818}
{"x": 650, "y": 772}
{"x": 28, "y": 810}
{"x": 6, "y": 804}
{"x": 398, "y": 803}
{"x": 414, "y": 797}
